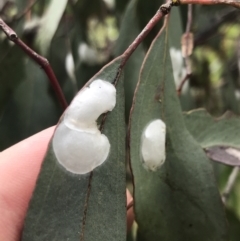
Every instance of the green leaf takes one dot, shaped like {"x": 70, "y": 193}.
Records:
{"x": 216, "y": 136}
{"x": 30, "y": 108}
{"x": 86, "y": 207}
{"x": 128, "y": 32}
{"x": 180, "y": 201}
{"x": 49, "y": 24}
{"x": 12, "y": 58}
{"x": 209, "y": 131}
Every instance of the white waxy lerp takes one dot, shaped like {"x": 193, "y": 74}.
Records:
{"x": 153, "y": 145}
{"x": 77, "y": 143}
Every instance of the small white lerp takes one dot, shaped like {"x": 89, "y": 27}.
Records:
{"x": 78, "y": 144}
{"x": 153, "y": 145}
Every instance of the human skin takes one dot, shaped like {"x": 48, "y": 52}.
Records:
{"x": 19, "y": 168}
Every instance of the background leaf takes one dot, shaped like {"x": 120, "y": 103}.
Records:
{"x": 10, "y": 56}
{"x": 70, "y": 207}
{"x": 175, "y": 202}
{"x": 209, "y": 131}
{"x": 49, "y": 24}
{"x": 30, "y": 108}
{"x": 216, "y": 135}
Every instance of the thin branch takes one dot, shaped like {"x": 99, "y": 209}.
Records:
{"x": 234, "y": 3}
{"x": 43, "y": 62}
{"x": 156, "y": 18}
{"x": 163, "y": 10}
{"x": 230, "y": 183}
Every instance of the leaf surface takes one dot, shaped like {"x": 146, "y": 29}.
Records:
{"x": 209, "y": 131}
{"x": 86, "y": 207}
{"x": 180, "y": 201}
{"x": 30, "y": 108}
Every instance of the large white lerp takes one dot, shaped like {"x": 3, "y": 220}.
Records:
{"x": 153, "y": 145}
{"x": 78, "y": 144}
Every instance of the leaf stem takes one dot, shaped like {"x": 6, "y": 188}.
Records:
{"x": 162, "y": 11}
{"x": 43, "y": 62}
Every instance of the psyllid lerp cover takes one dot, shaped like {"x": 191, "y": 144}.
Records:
{"x": 77, "y": 142}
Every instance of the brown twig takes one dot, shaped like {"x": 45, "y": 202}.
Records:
{"x": 163, "y": 10}
{"x": 43, "y": 62}
{"x": 230, "y": 183}
{"x": 234, "y": 3}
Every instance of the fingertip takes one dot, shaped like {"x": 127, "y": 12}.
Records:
{"x": 130, "y": 213}
{"x": 19, "y": 168}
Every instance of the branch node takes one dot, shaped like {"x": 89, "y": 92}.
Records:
{"x": 166, "y": 8}
{"x": 13, "y": 37}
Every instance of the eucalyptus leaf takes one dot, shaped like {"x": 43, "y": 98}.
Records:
{"x": 180, "y": 201}
{"x": 218, "y": 136}
{"x": 30, "y": 108}
{"x": 87, "y": 207}
{"x": 209, "y": 131}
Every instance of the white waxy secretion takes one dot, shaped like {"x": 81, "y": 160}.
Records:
{"x": 77, "y": 143}
{"x": 179, "y": 71}
{"x": 153, "y": 145}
